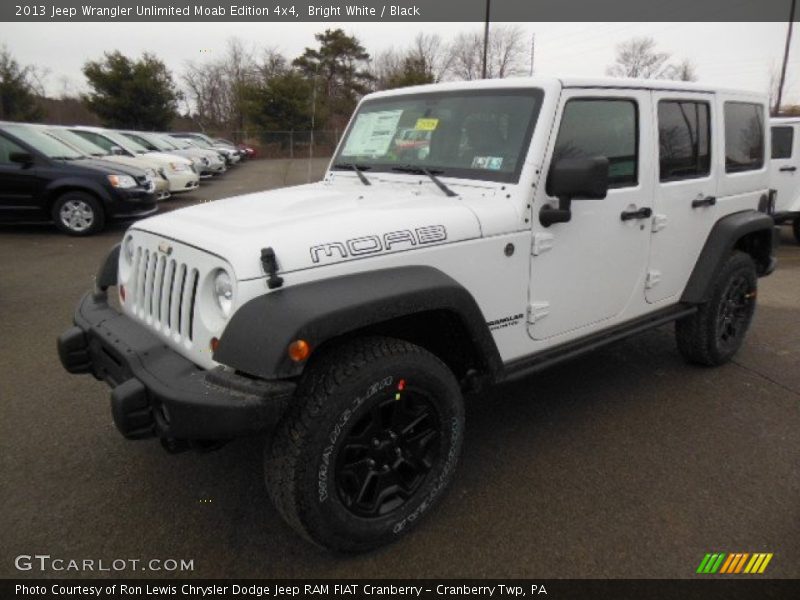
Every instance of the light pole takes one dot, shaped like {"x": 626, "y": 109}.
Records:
{"x": 486, "y": 38}
{"x": 785, "y": 58}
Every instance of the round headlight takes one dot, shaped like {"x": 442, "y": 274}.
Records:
{"x": 223, "y": 292}
{"x": 127, "y": 249}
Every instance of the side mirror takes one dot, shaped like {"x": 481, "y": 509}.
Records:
{"x": 23, "y": 158}
{"x": 117, "y": 151}
{"x": 574, "y": 179}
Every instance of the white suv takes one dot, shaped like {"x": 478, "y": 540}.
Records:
{"x": 545, "y": 218}
{"x": 785, "y": 171}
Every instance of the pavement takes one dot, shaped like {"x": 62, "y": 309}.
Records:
{"x": 623, "y": 463}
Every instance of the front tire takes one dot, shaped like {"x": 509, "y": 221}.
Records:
{"x": 78, "y": 213}
{"x": 369, "y": 445}
{"x": 796, "y": 229}
{"x": 716, "y": 331}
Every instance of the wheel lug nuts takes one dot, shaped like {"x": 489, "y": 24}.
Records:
{"x": 398, "y": 452}
{"x": 376, "y": 442}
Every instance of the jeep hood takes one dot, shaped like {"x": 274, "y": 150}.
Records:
{"x": 301, "y": 223}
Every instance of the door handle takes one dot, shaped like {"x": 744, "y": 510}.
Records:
{"x": 788, "y": 169}
{"x": 642, "y": 213}
{"x": 707, "y": 201}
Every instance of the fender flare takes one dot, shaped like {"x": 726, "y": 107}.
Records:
{"x": 721, "y": 241}
{"x": 256, "y": 339}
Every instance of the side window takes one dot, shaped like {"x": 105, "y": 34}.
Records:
{"x": 684, "y": 132}
{"x": 602, "y": 127}
{"x": 782, "y": 138}
{"x": 7, "y": 147}
{"x": 744, "y": 136}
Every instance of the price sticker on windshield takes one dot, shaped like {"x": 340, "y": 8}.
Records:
{"x": 426, "y": 124}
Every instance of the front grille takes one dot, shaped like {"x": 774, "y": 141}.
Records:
{"x": 164, "y": 292}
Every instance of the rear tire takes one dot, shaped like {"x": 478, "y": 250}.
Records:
{"x": 796, "y": 229}
{"x": 351, "y": 467}
{"x": 714, "y": 334}
{"x": 78, "y": 213}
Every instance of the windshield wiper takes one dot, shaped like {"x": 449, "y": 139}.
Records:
{"x": 357, "y": 168}
{"x": 432, "y": 174}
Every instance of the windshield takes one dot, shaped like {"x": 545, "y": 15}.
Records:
{"x": 475, "y": 134}
{"x": 77, "y": 142}
{"x": 169, "y": 142}
{"x": 124, "y": 142}
{"x": 199, "y": 142}
{"x": 47, "y": 145}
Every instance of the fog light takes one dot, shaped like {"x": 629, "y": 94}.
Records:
{"x": 299, "y": 350}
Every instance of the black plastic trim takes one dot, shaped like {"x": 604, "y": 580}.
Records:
{"x": 256, "y": 339}
{"x": 107, "y": 275}
{"x": 720, "y": 243}
{"x": 158, "y": 392}
{"x": 542, "y": 360}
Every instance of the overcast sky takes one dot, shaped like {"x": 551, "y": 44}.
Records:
{"x": 739, "y": 55}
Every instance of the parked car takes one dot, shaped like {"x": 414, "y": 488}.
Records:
{"x": 214, "y": 163}
{"x": 201, "y": 140}
{"x": 91, "y": 150}
{"x": 43, "y": 179}
{"x": 245, "y": 151}
{"x": 176, "y": 169}
{"x": 345, "y": 318}
{"x": 205, "y": 162}
{"x": 785, "y": 171}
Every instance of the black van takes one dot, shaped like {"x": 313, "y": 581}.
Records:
{"x": 42, "y": 179}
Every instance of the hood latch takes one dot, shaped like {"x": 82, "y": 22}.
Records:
{"x": 270, "y": 264}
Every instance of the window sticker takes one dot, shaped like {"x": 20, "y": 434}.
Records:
{"x": 426, "y": 124}
{"x": 493, "y": 163}
{"x": 372, "y": 133}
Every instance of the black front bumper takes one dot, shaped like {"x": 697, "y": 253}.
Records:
{"x": 158, "y": 392}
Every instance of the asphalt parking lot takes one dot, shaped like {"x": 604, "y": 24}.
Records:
{"x": 623, "y": 463}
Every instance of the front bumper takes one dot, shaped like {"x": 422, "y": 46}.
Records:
{"x": 156, "y": 392}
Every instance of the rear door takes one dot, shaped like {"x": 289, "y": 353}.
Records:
{"x": 784, "y": 175}
{"x": 685, "y": 203}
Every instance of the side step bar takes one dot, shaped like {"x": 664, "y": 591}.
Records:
{"x": 525, "y": 366}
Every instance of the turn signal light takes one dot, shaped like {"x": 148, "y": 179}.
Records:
{"x": 122, "y": 293}
{"x": 214, "y": 344}
{"x": 299, "y": 350}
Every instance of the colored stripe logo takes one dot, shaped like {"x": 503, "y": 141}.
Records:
{"x": 734, "y": 563}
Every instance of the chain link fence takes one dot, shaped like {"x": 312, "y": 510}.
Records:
{"x": 287, "y": 144}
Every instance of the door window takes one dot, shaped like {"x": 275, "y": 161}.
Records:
{"x": 744, "y": 136}
{"x": 684, "y": 131}
{"x": 607, "y": 127}
{"x": 7, "y": 148}
{"x": 782, "y": 138}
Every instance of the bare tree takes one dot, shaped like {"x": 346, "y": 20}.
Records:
{"x": 682, "y": 71}
{"x": 506, "y": 54}
{"x": 428, "y": 48}
{"x": 218, "y": 89}
{"x": 638, "y": 58}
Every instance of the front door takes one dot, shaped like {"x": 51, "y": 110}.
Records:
{"x": 587, "y": 271}
{"x": 19, "y": 184}
{"x": 785, "y": 167}
{"x": 684, "y": 206}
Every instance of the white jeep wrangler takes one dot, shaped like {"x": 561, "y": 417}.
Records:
{"x": 785, "y": 172}
{"x": 544, "y": 218}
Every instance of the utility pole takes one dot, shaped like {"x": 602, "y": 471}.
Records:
{"x": 533, "y": 49}
{"x": 785, "y": 58}
{"x": 486, "y": 38}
